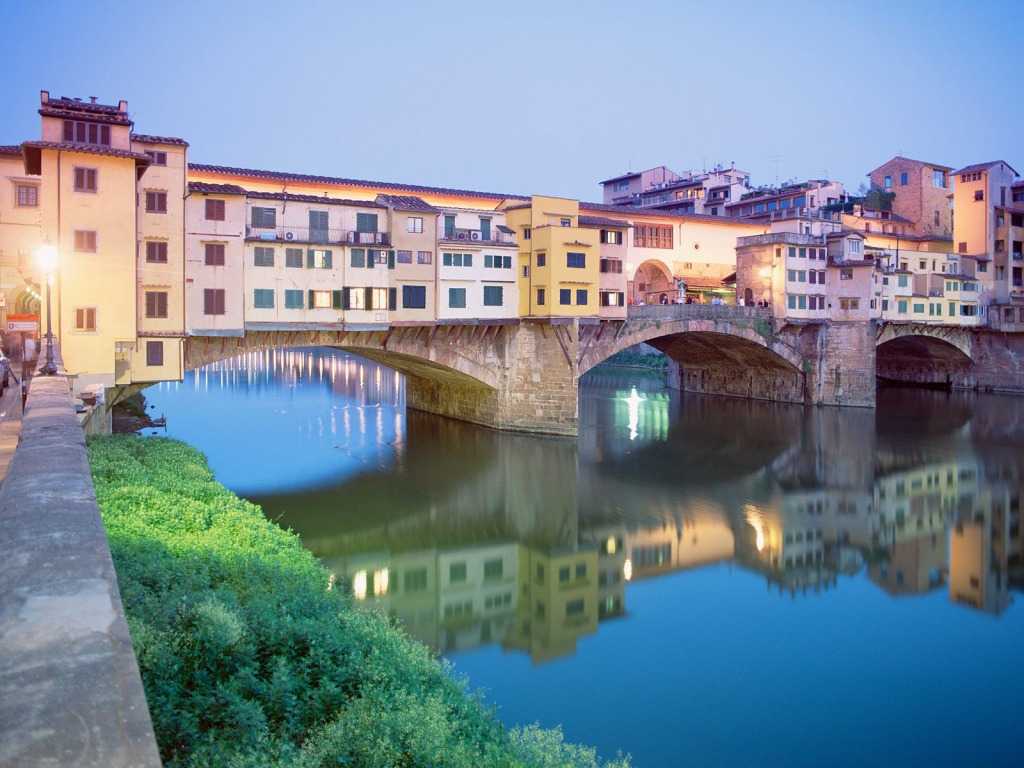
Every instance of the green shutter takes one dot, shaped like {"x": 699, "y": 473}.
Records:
{"x": 309, "y": 304}
{"x": 391, "y": 259}
{"x": 336, "y": 299}
{"x": 392, "y": 298}
{"x": 368, "y": 298}
{"x": 346, "y": 299}
{"x": 328, "y": 264}
{"x": 310, "y": 259}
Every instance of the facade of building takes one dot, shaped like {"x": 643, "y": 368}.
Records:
{"x": 699, "y": 192}
{"x": 920, "y": 193}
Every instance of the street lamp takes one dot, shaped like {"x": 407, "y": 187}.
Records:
{"x": 46, "y": 258}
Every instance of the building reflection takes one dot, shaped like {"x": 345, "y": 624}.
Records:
{"x": 478, "y": 538}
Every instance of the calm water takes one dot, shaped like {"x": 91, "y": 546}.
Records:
{"x": 696, "y": 581}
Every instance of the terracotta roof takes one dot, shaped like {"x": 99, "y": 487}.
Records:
{"x": 75, "y": 109}
{"x": 311, "y": 179}
{"x": 627, "y": 210}
{"x": 319, "y": 199}
{"x": 910, "y": 160}
{"x": 89, "y": 149}
{"x": 601, "y": 221}
{"x": 10, "y": 149}
{"x": 701, "y": 282}
{"x": 205, "y": 188}
{"x": 620, "y": 178}
{"x": 146, "y": 138}
{"x": 852, "y": 263}
{"x": 407, "y": 203}
{"x": 983, "y": 167}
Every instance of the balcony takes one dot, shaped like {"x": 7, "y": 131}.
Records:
{"x": 780, "y": 238}
{"x": 462, "y": 235}
{"x": 316, "y": 236}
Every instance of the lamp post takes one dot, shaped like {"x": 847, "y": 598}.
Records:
{"x": 46, "y": 256}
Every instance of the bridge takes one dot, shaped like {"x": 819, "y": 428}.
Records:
{"x": 523, "y": 375}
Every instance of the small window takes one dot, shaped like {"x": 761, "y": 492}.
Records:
{"x": 156, "y": 251}
{"x": 156, "y": 201}
{"x": 979, "y": 194}
{"x": 263, "y": 298}
{"x": 541, "y": 259}
{"x": 576, "y": 260}
{"x": 213, "y": 301}
{"x": 85, "y": 319}
{"x": 293, "y": 299}
{"x": 904, "y": 179}
{"x": 156, "y": 157}
{"x": 540, "y": 297}
{"x": 581, "y": 297}
{"x": 27, "y": 195}
{"x": 888, "y": 182}
{"x": 85, "y": 241}
{"x": 404, "y": 257}
{"x": 565, "y": 222}
{"x": 526, "y": 233}
{"x": 574, "y": 608}
{"x": 214, "y": 210}
{"x": 156, "y": 304}
{"x": 357, "y": 257}
{"x": 424, "y": 257}
{"x": 263, "y": 257}
{"x": 264, "y": 218}
{"x": 154, "y": 353}
{"x": 457, "y": 298}
{"x": 457, "y": 573}
{"x": 565, "y": 296}
{"x": 564, "y": 573}
{"x": 414, "y": 297}
{"x": 293, "y": 258}
{"x": 493, "y": 569}
{"x": 414, "y": 224}
{"x": 85, "y": 179}
{"x": 493, "y": 296}
{"x": 213, "y": 254}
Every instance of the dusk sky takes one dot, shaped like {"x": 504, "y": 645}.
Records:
{"x": 536, "y": 97}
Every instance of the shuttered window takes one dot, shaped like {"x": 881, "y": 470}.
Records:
{"x": 263, "y": 298}
{"x": 156, "y": 304}
{"x": 214, "y": 210}
{"x": 293, "y": 257}
{"x": 457, "y": 298}
{"x": 156, "y": 251}
{"x": 493, "y": 296}
{"x": 85, "y": 319}
{"x": 85, "y": 241}
{"x": 358, "y": 257}
{"x": 292, "y": 299}
{"x": 263, "y": 257}
{"x": 264, "y": 218}
{"x": 213, "y": 301}
{"x": 156, "y": 201}
{"x": 85, "y": 179}
{"x": 214, "y": 254}
{"x": 154, "y": 353}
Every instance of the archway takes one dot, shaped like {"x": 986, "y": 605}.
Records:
{"x": 653, "y": 283}
{"x": 922, "y": 360}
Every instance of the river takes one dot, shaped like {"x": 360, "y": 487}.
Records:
{"x": 696, "y": 581}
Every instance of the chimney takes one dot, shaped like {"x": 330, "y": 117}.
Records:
{"x": 92, "y": 99}
{"x": 44, "y": 96}
{"x": 122, "y": 106}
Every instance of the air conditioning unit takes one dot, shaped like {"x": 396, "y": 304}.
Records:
{"x": 289, "y": 235}
{"x": 474, "y": 236}
{"x": 461, "y": 236}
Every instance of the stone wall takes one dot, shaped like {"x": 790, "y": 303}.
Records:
{"x": 996, "y": 362}
{"x": 70, "y": 691}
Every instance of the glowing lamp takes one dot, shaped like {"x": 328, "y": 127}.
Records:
{"x": 46, "y": 258}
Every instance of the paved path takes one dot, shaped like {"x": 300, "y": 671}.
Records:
{"x": 10, "y": 424}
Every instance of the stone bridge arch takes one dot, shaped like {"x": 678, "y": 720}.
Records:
{"x": 921, "y": 353}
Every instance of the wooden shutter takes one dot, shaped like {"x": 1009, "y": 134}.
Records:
{"x": 391, "y": 259}
{"x": 392, "y": 298}
{"x": 310, "y": 259}
{"x": 309, "y": 296}
{"x": 368, "y": 298}
{"x": 346, "y": 300}
{"x": 328, "y": 260}
{"x": 336, "y": 299}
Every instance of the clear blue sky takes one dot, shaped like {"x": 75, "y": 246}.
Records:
{"x": 536, "y": 97}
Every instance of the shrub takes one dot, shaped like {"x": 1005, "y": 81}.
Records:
{"x": 249, "y": 658}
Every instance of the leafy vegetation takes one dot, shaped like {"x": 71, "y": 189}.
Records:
{"x": 249, "y": 657}
{"x": 636, "y": 358}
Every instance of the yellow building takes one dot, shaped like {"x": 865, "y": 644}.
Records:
{"x": 558, "y": 259}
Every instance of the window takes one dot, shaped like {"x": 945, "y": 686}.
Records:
{"x": 493, "y": 569}
{"x": 791, "y": 301}
{"x": 576, "y": 260}
{"x": 791, "y": 275}
{"x": 581, "y": 297}
{"x": 263, "y": 298}
{"x": 414, "y": 296}
{"x": 424, "y": 257}
{"x": 457, "y": 259}
{"x": 156, "y": 304}
{"x": 214, "y": 210}
{"x": 611, "y": 298}
{"x": 457, "y": 573}
{"x": 1000, "y": 246}
{"x": 801, "y": 276}
{"x": 154, "y": 353}
{"x": 404, "y": 257}
{"x": 979, "y": 194}
{"x": 901, "y": 281}
{"x": 968, "y": 310}
{"x": 318, "y": 258}
{"x": 846, "y": 304}
{"x": 611, "y": 237}
{"x": 320, "y": 299}
{"x": 613, "y": 266}
{"x": 264, "y": 218}
{"x": 416, "y": 581}
{"x": 27, "y": 195}
{"x": 292, "y": 299}
{"x": 652, "y": 236}
{"x": 213, "y": 301}
{"x": 156, "y": 157}
{"x": 213, "y": 254}
{"x": 939, "y": 179}
{"x": 263, "y": 256}
{"x": 414, "y": 224}
{"x": 293, "y": 258}
{"x": 801, "y": 302}
{"x": 564, "y": 573}
{"x": 936, "y": 218}
{"x": 86, "y": 133}
{"x": 156, "y": 201}
{"x": 85, "y": 179}
{"x": 542, "y": 259}
{"x": 792, "y": 252}
{"x": 493, "y": 296}
{"x": 574, "y": 608}
{"x": 541, "y": 293}
{"x": 526, "y": 233}
{"x": 919, "y": 308}
{"x": 901, "y": 306}
{"x": 85, "y": 319}
{"x": 565, "y": 296}
{"x": 457, "y": 298}
{"x": 801, "y": 253}
{"x": 904, "y": 178}
{"x": 156, "y": 251}
{"x": 888, "y": 182}
{"x": 565, "y": 222}
{"x": 846, "y": 274}
{"x": 85, "y": 241}
{"x": 357, "y": 257}
{"x": 497, "y": 262}
{"x": 366, "y": 222}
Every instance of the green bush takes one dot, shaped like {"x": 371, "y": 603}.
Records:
{"x": 249, "y": 658}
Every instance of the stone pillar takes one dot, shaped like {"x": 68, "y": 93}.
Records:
{"x": 839, "y": 363}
